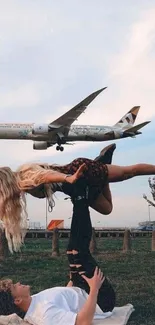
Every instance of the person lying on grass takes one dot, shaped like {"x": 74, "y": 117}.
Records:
{"x": 89, "y": 294}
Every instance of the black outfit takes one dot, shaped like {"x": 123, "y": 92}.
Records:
{"x": 80, "y": 236}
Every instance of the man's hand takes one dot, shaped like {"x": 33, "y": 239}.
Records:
{"x": 96, "y": 281}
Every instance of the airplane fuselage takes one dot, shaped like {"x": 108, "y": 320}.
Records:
{"x": 93, "y": 133}
{"x": 76, "y": 133}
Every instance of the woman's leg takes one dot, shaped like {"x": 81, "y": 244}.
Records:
{"x": 102, "y": 203}
{"x": 79, "y": 256}
{"x": 122, "y": 173}
{"x": 100, "y": 196}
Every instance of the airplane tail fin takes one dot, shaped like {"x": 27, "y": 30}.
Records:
{"x": 128, "y": 119}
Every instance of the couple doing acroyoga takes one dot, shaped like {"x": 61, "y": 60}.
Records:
{"x": 88, "y": 295}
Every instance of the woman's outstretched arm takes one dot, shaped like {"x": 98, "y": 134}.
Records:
{"x": 57, "y": 177}
{"x": 33, "y": 175}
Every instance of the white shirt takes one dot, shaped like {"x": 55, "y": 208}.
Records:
{"x": 59, "y": 306}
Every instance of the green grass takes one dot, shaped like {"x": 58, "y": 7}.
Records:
{"x": 132, "y": 274}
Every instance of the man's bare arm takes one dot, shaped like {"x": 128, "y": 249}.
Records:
{"x": 86, "y": 314}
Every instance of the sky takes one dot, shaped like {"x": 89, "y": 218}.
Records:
{"x": 55, "y": 53}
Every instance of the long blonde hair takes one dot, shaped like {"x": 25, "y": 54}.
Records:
{"x": 32, "y": 175}
{"x": 12, "y": 209}
{"x": 13, "y": 212}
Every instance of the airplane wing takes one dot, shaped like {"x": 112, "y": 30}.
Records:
{"x": 136, "y": 127}
{"x": 69, "y": 117}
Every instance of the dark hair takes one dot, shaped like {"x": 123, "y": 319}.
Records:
{"x": 7, "y": 305}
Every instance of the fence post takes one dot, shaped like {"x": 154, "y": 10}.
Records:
{"x": 93, "y": 245}
{"x": 3, "y": 245}
{"x": 126, "y": 241}
{"x": 153, "y": 240}
{"x": 55, "y": 242}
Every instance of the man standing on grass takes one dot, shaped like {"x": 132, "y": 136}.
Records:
{"x": 88, "y": 295}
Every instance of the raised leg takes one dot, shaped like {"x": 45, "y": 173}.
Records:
{"x": 102, "y": 201}
{"x": 122, "y": 173}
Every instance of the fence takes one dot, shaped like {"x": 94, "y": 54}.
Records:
{"x": 105, "y": 232}
{"x": 56, "y": 235}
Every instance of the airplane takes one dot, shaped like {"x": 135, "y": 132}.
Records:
{"x": 61, "y": 131}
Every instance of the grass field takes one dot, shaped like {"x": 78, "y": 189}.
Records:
{"x": 132, "y": 274}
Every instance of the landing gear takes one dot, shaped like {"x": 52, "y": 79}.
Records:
{"x": 59, "y": 148}
{"x": 60, "y": 140}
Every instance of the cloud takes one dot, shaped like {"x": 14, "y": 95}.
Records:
{"x": 139, "y": 43}
{"x": 23, "y": 97}
{"x": 132, "y": 68}
{"x": 23, "y": 22}
{"x": 22, "y": 103}
{"x": 44, "y": 73}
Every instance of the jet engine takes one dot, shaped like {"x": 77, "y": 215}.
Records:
{"x": 40, "y": 129}
{"x": 40, "y": 145}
